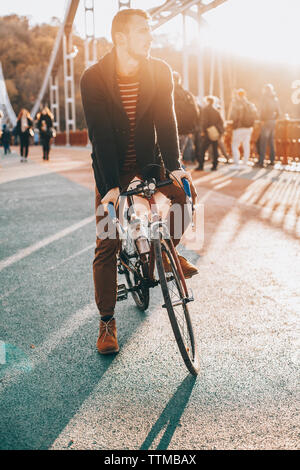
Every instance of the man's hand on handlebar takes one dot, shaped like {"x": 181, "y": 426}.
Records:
{"x": 111, "y": 196}
{"x": 134, "y": 183}
{"x": 179, "y": 174}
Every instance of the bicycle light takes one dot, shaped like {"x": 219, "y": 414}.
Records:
{"x": 152, "y": 186}
{"x": 187, "y": 190}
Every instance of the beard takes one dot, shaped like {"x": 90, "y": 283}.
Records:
{"x": 139, "y": 57}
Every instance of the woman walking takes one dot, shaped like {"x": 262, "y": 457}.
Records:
{"x": 45, "y": 125}
{"x": 24, "y": 130}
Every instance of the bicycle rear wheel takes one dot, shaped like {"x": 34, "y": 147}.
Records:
{"x": 176, "y": 304}
{"x": 136, "y": 282}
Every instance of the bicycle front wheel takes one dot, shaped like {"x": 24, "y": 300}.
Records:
{"x": 176, "y": 303}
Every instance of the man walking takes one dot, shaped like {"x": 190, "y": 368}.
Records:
{"x": 269, "y": 113}
{"x": 128, "y": 103}
{"x": 243, "y": 114}
{"x": 211, "y": 126}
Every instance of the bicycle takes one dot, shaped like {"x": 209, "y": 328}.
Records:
{"x": 144, "y": 246}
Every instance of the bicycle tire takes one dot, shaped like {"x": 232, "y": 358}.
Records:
{"x": 179, "y": 315}
{"x": 141, "y": 296}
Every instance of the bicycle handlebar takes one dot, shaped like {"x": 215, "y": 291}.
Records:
{"x": 139, "y": 189}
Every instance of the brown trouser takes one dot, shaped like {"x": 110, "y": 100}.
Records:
{"x": 105, "y": 261}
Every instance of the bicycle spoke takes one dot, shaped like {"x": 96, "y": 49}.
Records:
{"x": 176, "y": 305}
{"x": 176, "y": 294}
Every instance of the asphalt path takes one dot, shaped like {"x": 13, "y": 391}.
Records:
{"x": 57, "y": 392}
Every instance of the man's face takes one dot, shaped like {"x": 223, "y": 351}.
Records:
{"x": 139, "y": 37}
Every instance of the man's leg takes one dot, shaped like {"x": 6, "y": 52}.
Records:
{"x": 264, "y": 135}
{"x": 105, "y": 276}
{"x": 178, "y": 221}
{"x": 236, "y": 142}
{"x": 246, "y": 143}
{"x": 271, "y": 143}
{"x": 105, "y": 266}
{"x": 198, "y": 139}
{"x": 215, "y": 155}
{"x": 205, "y": 142}
{"x": 105, "y": 282}
{"x": 223, "y": 148}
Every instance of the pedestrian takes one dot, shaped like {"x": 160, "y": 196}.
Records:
{"x": 188, "y": 151}
{"x": 128, "y": 104}
{"x": 5, "y": 138}
{"x": 212, "y": 127}
{"x": 269, "y": 113}
{"x": 45, "y": 126}
{"x": 221, "y": 144}
{"x": 1, "y": 117}
{"x": 243, "y": 114}
{"x": 187, "y": 114}
{"x": 24, "y": 130}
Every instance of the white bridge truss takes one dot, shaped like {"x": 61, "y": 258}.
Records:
{"x": 63, "y": 48}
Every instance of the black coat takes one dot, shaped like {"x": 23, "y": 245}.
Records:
{"x": 47, "y": 119}
{"x": 29, "y": 123}
{"x": 210, "y": 116}
{"x": 156, "y": 133}
{"x": 270, "y": 109}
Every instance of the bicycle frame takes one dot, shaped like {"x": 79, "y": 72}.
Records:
{"x": 156, "y": 225}
{"x": 140, "y": 274}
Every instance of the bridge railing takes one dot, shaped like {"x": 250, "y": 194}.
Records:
{"x": 77, "y": 138}
{"x": 287, "y": 139}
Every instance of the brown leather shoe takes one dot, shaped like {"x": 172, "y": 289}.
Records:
{"x": 107, "y": 342}
{"x": 188, "y": 268}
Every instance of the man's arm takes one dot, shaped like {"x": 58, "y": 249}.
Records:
{"x": 100, "y": 129}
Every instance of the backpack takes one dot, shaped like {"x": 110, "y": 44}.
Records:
{"x": 249, "y": 114}
{"x": 186, "y": 110}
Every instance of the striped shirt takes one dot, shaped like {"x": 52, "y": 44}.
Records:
{"x": 129, "y": 91}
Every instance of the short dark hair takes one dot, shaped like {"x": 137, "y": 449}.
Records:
{"x": 122, "y": 18}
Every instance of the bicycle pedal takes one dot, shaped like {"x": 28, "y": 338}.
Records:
{"x": 122, "y": 293}
{"x": 190, "y": 298}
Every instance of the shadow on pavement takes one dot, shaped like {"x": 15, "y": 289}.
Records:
{"x": 49, "y": 333}
{"x": 37, "y": 406}
{"x": 171, "y": 415}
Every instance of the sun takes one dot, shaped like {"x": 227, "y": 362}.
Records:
{"x": 266, "y": 30}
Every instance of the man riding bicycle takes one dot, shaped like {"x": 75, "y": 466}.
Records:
{"x": 128, "y": 103}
